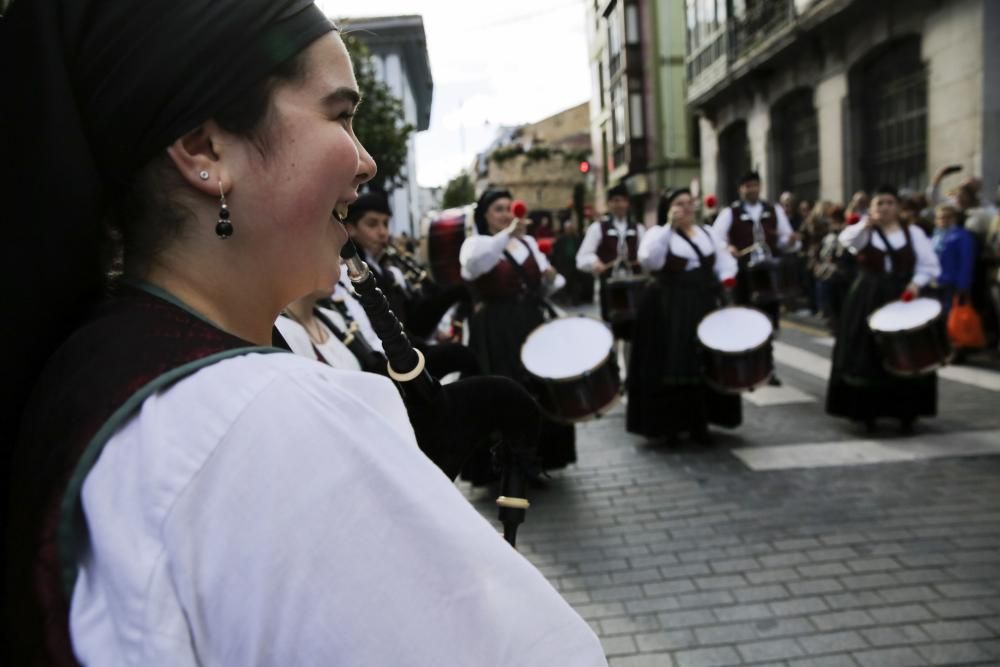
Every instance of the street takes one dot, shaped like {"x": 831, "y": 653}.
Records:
{"x": 795, "y": 540}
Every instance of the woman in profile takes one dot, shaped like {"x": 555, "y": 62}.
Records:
{"x": 188, "y": 494}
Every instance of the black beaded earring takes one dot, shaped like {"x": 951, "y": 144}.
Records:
{"x": 223, "y": 228}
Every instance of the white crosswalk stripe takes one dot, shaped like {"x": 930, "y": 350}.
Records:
{"x": 785, "y": 395}
{"x": 819, "y": 366}
{"x": 866, "y": 452}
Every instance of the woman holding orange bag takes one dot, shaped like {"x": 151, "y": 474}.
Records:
{"x": 956, "y": 251}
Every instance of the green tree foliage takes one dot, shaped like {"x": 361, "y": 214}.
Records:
{"x": 459, "y": 191}
{"x": 380, "y": 123}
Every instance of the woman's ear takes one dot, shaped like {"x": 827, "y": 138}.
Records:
{"x": 198, "y": 159}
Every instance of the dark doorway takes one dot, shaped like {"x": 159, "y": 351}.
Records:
{"x": 795, "y": 131}
{"x": 889, "y": 98}
{"x": 734, "y": 159}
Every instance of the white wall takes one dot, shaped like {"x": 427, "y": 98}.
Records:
{"x": 829, "y": 98}
{"x": 952, "y": 46}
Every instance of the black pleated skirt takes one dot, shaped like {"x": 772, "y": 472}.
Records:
{"x": 666, "y": 390}
{"x": 860, "y": 388}
{"x": 497, "y": 330}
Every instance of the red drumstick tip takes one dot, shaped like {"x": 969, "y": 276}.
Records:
{"x": 711, "y": 201}
{"x": 907, "y": 296}
{"x": 729, "y": 283}
{"x": 518, "y": 208}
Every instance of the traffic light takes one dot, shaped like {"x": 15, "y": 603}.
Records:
{"x": 584, "y": 166}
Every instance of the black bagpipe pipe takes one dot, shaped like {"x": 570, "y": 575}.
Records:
{"x": 452, "y": 421}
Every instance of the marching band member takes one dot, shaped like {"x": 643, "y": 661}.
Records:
{"x": 368, "y": 224}
{"x": 419, "y": 304}
{"x": 743, "y": 224}
{"x": 303, "y": 329}
{"x": 608, "y": 244}
{"x": 317, "y": 327}
{"x": 666, "y": 392}
{"x": 507, "y": 274}
{"x": 895, "y": 261}
{"x": 187, "y": 494}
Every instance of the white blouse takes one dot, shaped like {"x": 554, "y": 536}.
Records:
{"x": 269, "y": 510}
{"x": 857, "y": 236}
{"x": 333, "y": 351}
{"x": 480, "y": 253}
{"x": 586, "y": 256}
{"x": 653, "y": 250}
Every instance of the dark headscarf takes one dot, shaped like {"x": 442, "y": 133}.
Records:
{"x": 485, "y": 201}
{"x": 93, "y": 89}
{"x": 375, "y": 200}
{"x": 663, "y": 209}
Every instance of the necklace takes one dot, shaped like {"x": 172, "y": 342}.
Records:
{"x": 314, "y": 328}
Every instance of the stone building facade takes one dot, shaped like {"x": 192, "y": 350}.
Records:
{"x": 826, "y": 97}
{"x": 540, "y": 162}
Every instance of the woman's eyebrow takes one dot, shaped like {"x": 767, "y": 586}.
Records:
{"x": 344, "y": 94}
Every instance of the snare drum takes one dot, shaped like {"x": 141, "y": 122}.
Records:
{"x": 774, "y": 279}
{"x": 736, "y": 348}
{"x": 911, "y": 336}
{"x": 572, "y": 368}
{"x": 622, "y": 297}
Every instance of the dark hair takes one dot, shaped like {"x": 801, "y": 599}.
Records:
{"x": 373, "y": 200}
{"x": 144, "y": 216}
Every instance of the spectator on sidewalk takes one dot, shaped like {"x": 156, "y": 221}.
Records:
{"x": 956, "y": 250}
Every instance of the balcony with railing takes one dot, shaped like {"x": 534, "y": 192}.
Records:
{"x": 742, "y": 35}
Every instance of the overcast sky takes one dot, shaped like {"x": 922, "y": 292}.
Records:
{"x": 493, "y": 63}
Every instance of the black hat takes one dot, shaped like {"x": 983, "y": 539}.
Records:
{"x": 375, "y": 200}
{"x": 618, "y": 191}
{"x": 485, "y": 200}
{"x": 885, "y": 189}
{"x": 752, "y": 175}
{"x": 663, "y": 208}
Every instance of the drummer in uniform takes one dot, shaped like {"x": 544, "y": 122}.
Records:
{"x": 509, "y": 278}
{"x": 742, "y": 225}
{"x": 610, "y": 246}
{"x": 667, "y": 394}
{"x": 895, "y": 261}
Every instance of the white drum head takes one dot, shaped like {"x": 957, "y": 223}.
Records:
{"x": 734, "y": 329}
{"x": 566, "y": 347}
{"x": 904, "y": 315}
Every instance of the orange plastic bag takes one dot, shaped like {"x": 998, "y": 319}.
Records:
{"x": 965, "y": 329}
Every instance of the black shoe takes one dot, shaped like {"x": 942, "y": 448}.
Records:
{"x": 906, "y": 426}
{"x": 869, "y": 426}
{"x": 774, "y": 381}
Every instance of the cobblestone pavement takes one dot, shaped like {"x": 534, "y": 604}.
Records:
{"x": 688, "y": 557}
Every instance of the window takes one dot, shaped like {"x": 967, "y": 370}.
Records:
{"x": 893, "y": 99}
{"x": 795, "y": 131}
{"x": 631, "y": 24}
{"x": 635, "y": 115}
